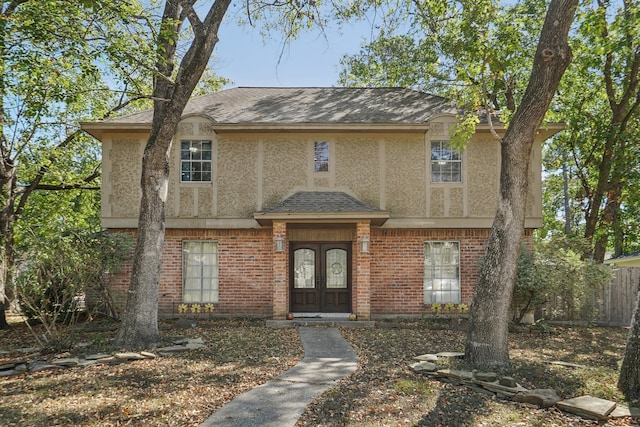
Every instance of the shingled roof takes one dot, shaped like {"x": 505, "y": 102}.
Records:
{"x": 246, "y": 105}
{"x": 330, "y": 205}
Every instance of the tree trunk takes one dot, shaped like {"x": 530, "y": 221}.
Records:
{"x": 487, "y": 339}
{"x": 139, "y": 327}
{"x": 629, "y": 380}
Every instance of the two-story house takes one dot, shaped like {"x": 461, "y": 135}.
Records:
{"x": 314, "y": 200}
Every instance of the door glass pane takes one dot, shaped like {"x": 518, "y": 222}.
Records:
{"x": 336, "y": 268}
{"x": 304, "y": 268}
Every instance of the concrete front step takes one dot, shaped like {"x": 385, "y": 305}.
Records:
{"x": 326, "y": 322}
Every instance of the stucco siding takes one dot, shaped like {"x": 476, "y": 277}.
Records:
{"x": 125, "y": 160}
{"x": 483, "y": 169}
{"x": 285, "y": 167}
{"x": 237, "y": 177}
{"x": 357, "y": 162}
{"x": 405, "y": 176}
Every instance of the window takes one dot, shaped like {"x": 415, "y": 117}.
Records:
{"x": 446, "y": 165}
{"x": 195, "y": 161}
{"x": 321, "y": 156}
{"x": 441, "y": 272}
{"x": 199, "y": 272}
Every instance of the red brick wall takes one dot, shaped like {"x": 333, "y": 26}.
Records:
{"x": 397, "y": 266}
{"x": 246, "y": 269}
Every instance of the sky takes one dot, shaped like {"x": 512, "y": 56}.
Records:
{"x": 312, "y": 60}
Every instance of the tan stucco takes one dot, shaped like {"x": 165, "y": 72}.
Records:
{"x": 255, "y": 170}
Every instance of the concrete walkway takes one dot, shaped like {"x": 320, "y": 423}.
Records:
{"x": 281, "y": 401}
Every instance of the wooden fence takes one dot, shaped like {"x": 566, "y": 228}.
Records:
{"x": 612, "y": 305}
{"x": 617, "y": 301}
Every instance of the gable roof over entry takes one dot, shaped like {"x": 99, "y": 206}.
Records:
{"x": 326, "y": 206}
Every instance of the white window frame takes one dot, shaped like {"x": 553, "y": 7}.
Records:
{"x": 193, "y": 156}
{"x": 442, "y": 272}
{"x": 445, "y": 163}
{"x": 199, "y": 272}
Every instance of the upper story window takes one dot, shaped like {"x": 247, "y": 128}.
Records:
{"x": 195, "y": 161}
{"x": 446, "y": 164}
{"x": 321, "y": 156}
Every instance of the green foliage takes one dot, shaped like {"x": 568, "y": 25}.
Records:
{"x": 61, "y": 271}
{"x": 557, "y": 269}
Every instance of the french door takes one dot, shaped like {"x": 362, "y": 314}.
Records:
{"x": 320, "y": 277}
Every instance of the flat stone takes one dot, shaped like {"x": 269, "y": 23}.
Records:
{"x": 66, "y": 361}
{"x": 427, "y": 358}
{"x": 198, "y": 340}
{"x": 97, "y": 356}
{"x": 451, "y": 354}
{"x": 507, "y": 381}
{"x": 624, "y": 411}
{"x": 172, "y": 349}
{"x": 28, "y": 350}
{"x": 588, "y": 407}
{"x": 9, "y": 373}
{"x": 488, "y": 377}
{"x": 544, "y": 398}
{"x": 43, "y": 366}
{"x": 21, "y": 367}
{"x": 565, "y": 364}
{"x": 85, "y": 363}
{"x": 424, "y": 367}
{"x": 129, "y": 356}
{"x": 148, "y": 355}
{"x": 195, "y": 346}
{"x": 9, "y": 365}
{"x": 456, "y": 374}
{"x": 106, "y": 360}
{"x": 497, "y": 387}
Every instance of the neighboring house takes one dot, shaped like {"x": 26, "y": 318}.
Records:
{"x": 315, "y": 200}
{"x": 630, "y": 260}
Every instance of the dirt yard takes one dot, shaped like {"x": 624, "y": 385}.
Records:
{"x": 184, "y": 388}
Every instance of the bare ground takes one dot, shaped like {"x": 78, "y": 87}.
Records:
{"x": 185, "y": 388}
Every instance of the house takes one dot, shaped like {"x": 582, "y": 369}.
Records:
{"x": 629, "y": 260}
{"x": 314, "y": 200}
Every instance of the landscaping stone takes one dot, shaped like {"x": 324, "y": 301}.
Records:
{"x": 21, "y": 368}
{"x": 106, "y": 360}
{"x": 565, "y": 364}
{"x": 450, "y": 354}
{"x": 43, "y": 366}
{"x": 624, "y": 411}
{"x": 507, "y": 382}
{"x": 497, "y": 387}
{"x": 129, "y": 356}
{"x": 427, "y": 358}
{"x": 456, "y": 374}
{"x": 97, "y": 356}
{"x": 195, "y": 346}
{"x": 148, "y": 355}
{"x": 588, "y": 407}
{"x": 488, "y": 377}
{"x": 66, "y": 361}
{"x": 424, "y": 367}
{"x": 172, "y": 349}
{"x": 8, "y": 373}
{"x": 8, "y": 365}
{"x": 543, "y": 398}
{"x": 85, "y": 363}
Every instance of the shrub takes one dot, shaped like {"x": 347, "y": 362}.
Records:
{"x": 55, "y": 276}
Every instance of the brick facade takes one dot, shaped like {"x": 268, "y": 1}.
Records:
{"x": 253, "y": 277}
